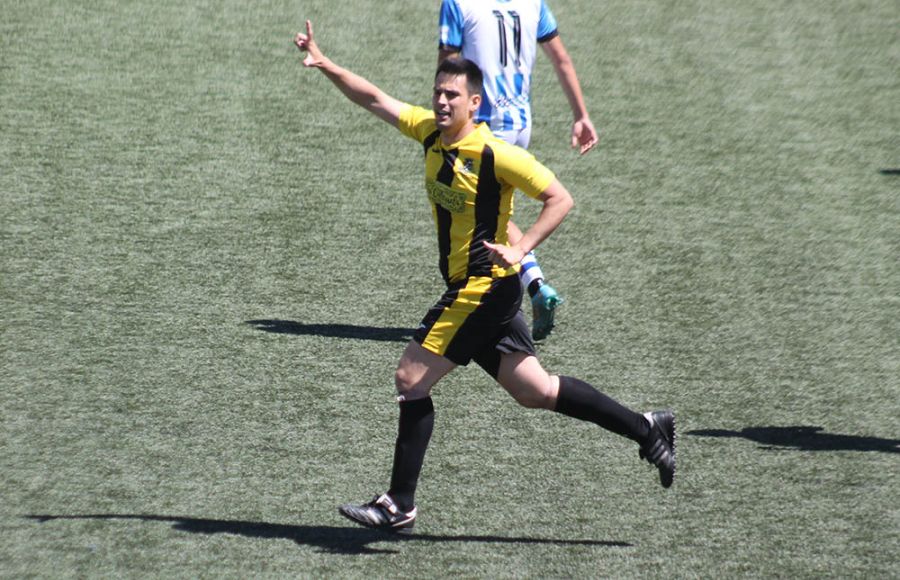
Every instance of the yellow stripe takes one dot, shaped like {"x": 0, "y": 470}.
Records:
{"x": 451, "y": 319}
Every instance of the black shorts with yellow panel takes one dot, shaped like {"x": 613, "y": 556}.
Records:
{"x": 477, "y": 319}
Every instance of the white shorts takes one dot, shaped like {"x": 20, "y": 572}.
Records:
{"x": 520, "y": 137}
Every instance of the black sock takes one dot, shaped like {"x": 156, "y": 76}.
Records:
{"x": 413, "y": 434}
{"x": 582, "y": 401}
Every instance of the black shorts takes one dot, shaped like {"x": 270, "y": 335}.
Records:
{"x": 477, "y": 319}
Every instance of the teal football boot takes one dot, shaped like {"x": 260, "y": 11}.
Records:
{"x": 544, "y": 305}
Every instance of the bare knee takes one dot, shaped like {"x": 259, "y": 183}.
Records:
{"x": 418, "y": 371}
{"x": 405, "y": 381}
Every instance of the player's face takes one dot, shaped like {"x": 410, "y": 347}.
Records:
{"x": 451, "y": 102}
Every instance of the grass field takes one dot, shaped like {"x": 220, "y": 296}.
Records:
{"x": 211, "y": 262}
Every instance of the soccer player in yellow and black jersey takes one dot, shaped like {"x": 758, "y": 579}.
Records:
{"x": 470, "y": 184}
{"x": 469, "y": 177}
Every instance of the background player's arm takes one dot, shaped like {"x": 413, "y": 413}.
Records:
{"x": 356, "y": 88}
{"x": 557, "y": 202}
{"x": 584, "y": 135}
{"x": 444, "y": 53}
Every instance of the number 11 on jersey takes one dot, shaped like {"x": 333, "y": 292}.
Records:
{"x": 516, "y": 34}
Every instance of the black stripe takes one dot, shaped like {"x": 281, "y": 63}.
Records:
{"x": 429, "y": 141}
{"x": 502, "y": 31}
{"x": 548, "y": 37}
{"x": 487, "y": 215}
{"x": 517, "y": 37}
{"x": 444, "y": 221}
{"x": 446, "y": 172}
{"x": 444, "y": 217}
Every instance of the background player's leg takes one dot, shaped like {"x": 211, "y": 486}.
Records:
{"x": 544, "y": 298}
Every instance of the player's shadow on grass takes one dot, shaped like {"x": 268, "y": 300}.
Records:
{"x": 334, "y": 330}
{"x": 328, "y": 539}
{"x": 805, "y": 438}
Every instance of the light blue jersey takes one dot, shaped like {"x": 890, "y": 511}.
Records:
{"x": 501, "y": 37}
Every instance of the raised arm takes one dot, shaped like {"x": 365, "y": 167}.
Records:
{"x": 584, "y": 135}
{"x": 557, "y": 202}
{"x": 356, "y": 88}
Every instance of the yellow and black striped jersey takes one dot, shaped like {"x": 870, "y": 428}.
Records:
{"x": 470, "y": 185}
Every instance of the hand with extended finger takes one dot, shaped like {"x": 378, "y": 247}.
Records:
{"x": 306, "y": 44}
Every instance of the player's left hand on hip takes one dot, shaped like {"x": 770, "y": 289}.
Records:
{"x": 504, "y": 256}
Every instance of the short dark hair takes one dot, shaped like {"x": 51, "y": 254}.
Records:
{"x": 456, "y": 66}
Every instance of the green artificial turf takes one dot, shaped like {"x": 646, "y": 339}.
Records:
{"x": 211, "y": 262}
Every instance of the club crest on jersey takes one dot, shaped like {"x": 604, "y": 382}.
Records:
{"x": 468, "y": 165}
{"x": 446, "y": 197}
